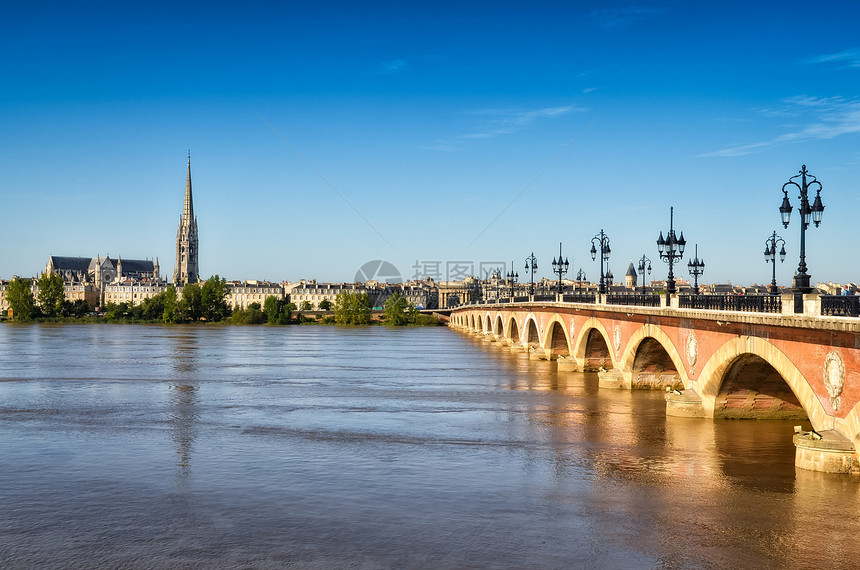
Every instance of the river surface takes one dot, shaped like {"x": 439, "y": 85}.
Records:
{"x": 128, "y": 446}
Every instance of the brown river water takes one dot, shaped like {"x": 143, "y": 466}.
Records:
{"x": 322, "y": 447}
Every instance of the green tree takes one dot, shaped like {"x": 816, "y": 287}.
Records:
{"x": 213, "y": 297}
{"x": 394, "y": 311}
{"x": 20, "y": 299}
{"x": 325, "y": 305}
{"x": 169, "y": 314}
{"x": 352, "y": 309}
{"x": 306, "y": 306}
{"x": 253, "y": 315}
{"x": 272, "y": 308}
{"x": 287, "y": 310}
{"x": 152, "y": 308}
{"x": 50, "y": 293}
{"x": 278, "y": 311}
{"x": 191, "y": 304}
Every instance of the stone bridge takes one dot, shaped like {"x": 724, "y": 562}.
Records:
{"x": 712, "y": 363}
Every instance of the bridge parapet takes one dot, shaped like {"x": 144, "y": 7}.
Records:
{"x": 788, "y": 305}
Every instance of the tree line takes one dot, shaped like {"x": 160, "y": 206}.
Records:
{"x": 199, "y": 303}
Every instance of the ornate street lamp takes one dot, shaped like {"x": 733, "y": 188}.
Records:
{"x": 512, "y": 279}
{"x": 807, "y": 213}
{"x": 601, "y": 240}
{"x": 561, "y": 268}
{"x": 770, "y": 257}
{"x": 644, "y": 265}
{"x": 580, "y": 277}
{"x": 696, "y": 267}
{"x": 671, "y": 250}
{"x": 531, "y": 265}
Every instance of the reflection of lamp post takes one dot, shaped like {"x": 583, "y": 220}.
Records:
{"x": 602, "y": 240}
{"x": 770, "y": 257}
{"x": 807, "y": 213}
{"x": 531, "y": 265}
{"x": 696, "y": 267}
{"x": 580, "y": 277}
{"x": 512, "y": 278}
{"x": 560, "y": 267}
{"x": 671, "y": 250}
{"x": 644, "y": 265}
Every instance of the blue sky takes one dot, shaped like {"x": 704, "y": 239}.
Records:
{"x": 327, "y": 134}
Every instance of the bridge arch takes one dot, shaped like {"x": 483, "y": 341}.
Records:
{"x": 586, "y": 340}
{"x": 513, "y": 330}
{"x": 738, "y": 351}
{"x": 639, "y": 341}
{"x": 556, "y": 338}
{"x": 531, "y": 331}
{"x": 499, "y": 328}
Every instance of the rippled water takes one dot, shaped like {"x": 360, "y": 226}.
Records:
{"x": 322, "y": 447}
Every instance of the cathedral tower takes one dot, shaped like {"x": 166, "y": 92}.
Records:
{"x": 186, "y": 270}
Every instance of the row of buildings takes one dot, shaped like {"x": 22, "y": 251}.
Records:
{"x": 104, "y": 280}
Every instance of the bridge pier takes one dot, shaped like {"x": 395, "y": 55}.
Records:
{"x": 684, "y": 404}
{"x": 613, "y": 379}
{"x": 536, "y": 353}
{"x": 827, "y": 451}
{"x": 567, "y": 364}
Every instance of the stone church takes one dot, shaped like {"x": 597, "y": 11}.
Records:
{"x": 110, "y": 277}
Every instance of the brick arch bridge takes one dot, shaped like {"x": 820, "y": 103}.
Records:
{"x": 713, "y": 364}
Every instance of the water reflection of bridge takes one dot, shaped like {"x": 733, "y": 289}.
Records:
{"x": 774, "y": 357}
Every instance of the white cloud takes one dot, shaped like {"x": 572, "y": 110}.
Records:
{"x": 851, "y": 58}
{"x": 826, "y": 118}
{"x": 509, "y": 121}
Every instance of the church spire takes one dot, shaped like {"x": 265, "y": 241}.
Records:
{"x": 188, "y": 209}
{"x": 186, "y": 270}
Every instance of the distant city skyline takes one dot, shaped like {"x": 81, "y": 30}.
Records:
{"x": 328, "y": 135}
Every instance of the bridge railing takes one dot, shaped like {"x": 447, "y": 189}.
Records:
{"x": 578, "y": 298}
{"x": 634, "y": 299}
{"x": 840, "y": 305}
{"x": 747, "y": 303}
{"x": 541, "y": 298}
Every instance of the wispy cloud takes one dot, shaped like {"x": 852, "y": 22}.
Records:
{"x": 623, "y": 17}
{"x": 496, "y": 122}
{"x": 389, "y": 67}
{"x": 492, "y": 123}
{"x": 825, "y": 118}
{"x": 848, "y": 58}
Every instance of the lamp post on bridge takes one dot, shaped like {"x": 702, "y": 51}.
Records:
{"x": 696, "y": 267}
{"x": 601, "y": 240}
{"x": 671, "y": 250}
{"x": 512, "y": 278}
{"x": 807, "y": 213}
{"x": 531, "y": 265}
{"x": 644, "y": 265}
{"x": 770, "y": 257}
{"x": 580, "y": 277}
{"x": 561, "y": 268}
